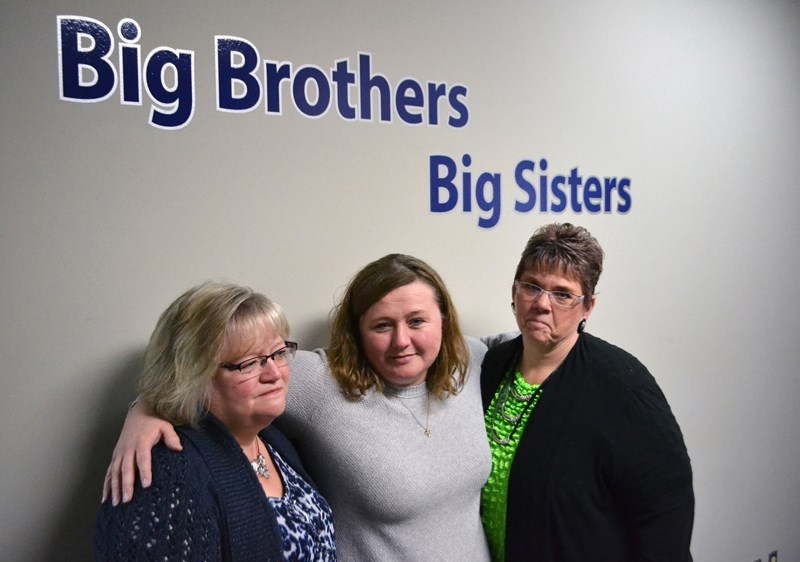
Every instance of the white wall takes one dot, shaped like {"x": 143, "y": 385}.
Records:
{"x": 104, "y": 219}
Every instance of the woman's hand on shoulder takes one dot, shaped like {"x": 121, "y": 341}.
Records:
{"x": 140, "y": 433}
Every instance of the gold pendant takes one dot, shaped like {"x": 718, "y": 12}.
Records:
{"x": 427, "y": 432}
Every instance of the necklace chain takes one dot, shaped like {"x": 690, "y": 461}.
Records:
{"x": 426, "y": 430}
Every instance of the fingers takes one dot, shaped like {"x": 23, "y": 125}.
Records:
{"x": 120, "y": 477}
{"x": 141, "y": 431}
{"x": 112, "y": 480}
{"x": 171, "y": 439}
{"x": 125, "y": 478}
{"x": 145, "y": 473}
{"x": 106, "y": 485}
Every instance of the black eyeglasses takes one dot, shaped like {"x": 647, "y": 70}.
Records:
{"x": 281, "y": 358}
{"x": 562, "y": 299}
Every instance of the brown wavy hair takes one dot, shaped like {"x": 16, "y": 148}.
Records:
{"x": 346, "y": 358}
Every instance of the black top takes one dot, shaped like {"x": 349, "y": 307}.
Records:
{"x": 601, "y": 472}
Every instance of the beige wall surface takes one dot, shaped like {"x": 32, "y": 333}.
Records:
{"x": 105, "y": 218}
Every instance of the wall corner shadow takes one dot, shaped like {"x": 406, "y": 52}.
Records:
{"x": 72, "y": 529}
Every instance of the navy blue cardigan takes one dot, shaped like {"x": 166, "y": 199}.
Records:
{"x": 205, "y": 503}
{"x": 601, "y": 472}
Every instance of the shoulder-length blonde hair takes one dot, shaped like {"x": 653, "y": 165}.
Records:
{"x": 184, "y": 350}
{"x": 346, "y": 358}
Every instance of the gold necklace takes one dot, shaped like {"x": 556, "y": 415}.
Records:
{"x": 259, "y": 464}
{"x": 426, "y": 430}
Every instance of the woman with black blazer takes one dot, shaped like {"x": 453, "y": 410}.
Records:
{"x": 588, "y": 460}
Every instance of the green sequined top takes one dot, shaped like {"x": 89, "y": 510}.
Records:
{"x": 505, "y": 419}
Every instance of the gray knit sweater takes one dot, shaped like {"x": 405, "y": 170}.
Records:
{"x": 396, "y": 495}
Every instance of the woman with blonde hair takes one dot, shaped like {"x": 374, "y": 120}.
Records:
{"x": 217, "y": 369}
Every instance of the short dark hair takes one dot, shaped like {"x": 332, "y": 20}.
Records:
{"x": 566, "y": 249}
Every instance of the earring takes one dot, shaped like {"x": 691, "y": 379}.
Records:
{"x": 581, "y": 326}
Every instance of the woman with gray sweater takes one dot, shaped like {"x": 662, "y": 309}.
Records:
{"x": 387, "y": 421}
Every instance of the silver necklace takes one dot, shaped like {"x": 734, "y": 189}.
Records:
{"x": 260, "y": 463}
{"x": 511, "y": 388}
{"x": 530, "y": 402}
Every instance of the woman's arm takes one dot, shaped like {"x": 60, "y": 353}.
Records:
{"x": 655, "y": 473}
{"x": 496, "y": 339}
{"x": 310, "y": 383}
{"x": 141, "y": 431}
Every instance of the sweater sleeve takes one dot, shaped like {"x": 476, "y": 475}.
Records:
{"x": 654, "y": 476}
{"x": 494, "y": 340}
{"x": 477, "y": 350}
{"x": 309, "y": 381}
{"x": 173, "y": 519}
